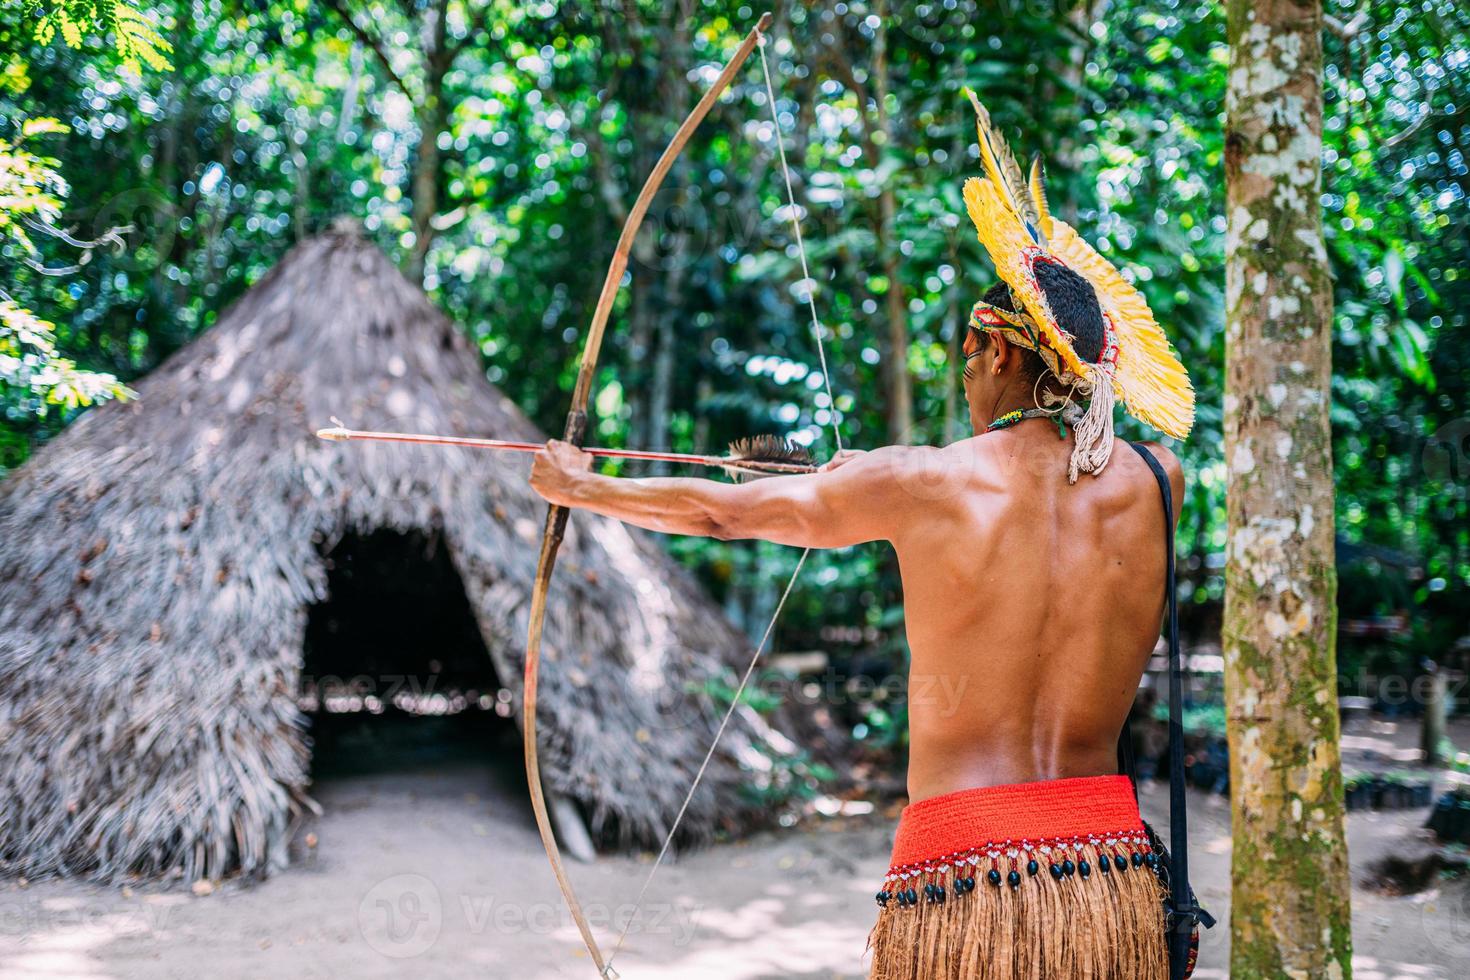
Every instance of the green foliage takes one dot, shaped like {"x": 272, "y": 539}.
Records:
{"x": 134, "y": 37}
{"x": 30, "y": 187}
{"x": 722, "y": 692}
{"x": 278, "y": 117}
{"x": 35, "y": 378}
{"x": 791, "y": 779}
{"x": 787, "y": 774}
{"x": 39, "y": 385}
{"x": 30, "y": 366}
{"x": 1200, "y": 719}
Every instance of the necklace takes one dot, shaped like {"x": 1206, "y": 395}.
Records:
{"x": 1021, "y": 414}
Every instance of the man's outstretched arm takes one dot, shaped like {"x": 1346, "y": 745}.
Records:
{"x": 844, "y": 504}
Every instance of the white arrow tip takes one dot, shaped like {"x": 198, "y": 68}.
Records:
{"x": 336, "y": 433}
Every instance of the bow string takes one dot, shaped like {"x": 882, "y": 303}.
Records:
{"x": 575, "y": 433}
{"x": 807, "y": 288}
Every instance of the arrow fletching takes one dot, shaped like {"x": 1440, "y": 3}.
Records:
{"x": 767, "y": 456}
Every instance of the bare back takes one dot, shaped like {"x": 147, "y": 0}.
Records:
{"x": 1031, "y": 607}
{"x": 1031, "y": 604}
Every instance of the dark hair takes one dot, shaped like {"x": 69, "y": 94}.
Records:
{"x": 1074, "y": 303}
{"x": 1071, "y": 299}
{"x": 1000, "y": 295}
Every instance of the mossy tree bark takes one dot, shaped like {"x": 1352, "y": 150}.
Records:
{"x": 1290, "y": 894}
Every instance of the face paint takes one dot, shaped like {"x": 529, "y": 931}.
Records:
{"x": 973, "y": 348}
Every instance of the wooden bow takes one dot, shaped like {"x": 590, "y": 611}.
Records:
{"x": 575, "y": 433}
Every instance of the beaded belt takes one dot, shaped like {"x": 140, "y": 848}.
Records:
{"x": 1006, "y": 835}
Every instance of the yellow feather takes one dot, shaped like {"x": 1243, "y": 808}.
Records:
{"x": 1150, "y": 378}
{"x": 1005, "y": 239}
{"x": 1038, "y": 196}
{"x": 1012, "y": 216}
{"x": 1003, "y": 170}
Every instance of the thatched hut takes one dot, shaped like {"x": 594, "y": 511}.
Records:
{"x": 159, "y": 561}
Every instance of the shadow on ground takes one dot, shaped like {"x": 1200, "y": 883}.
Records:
{"x": 439, "y": 873}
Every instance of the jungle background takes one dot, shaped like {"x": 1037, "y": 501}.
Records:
{"x": 492, "y": 149}
{"x": 157, "y": 159}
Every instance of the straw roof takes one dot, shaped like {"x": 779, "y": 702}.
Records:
{"x": 158, "y": 558}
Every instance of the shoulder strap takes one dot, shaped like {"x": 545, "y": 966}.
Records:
{"x": 1184, "y": 912}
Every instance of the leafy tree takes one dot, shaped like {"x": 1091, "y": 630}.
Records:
{"x": 35, "y": 377}
{"x": 134, "y": 37}
{"x": 281, "y": 116}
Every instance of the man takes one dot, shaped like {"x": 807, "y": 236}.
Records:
{"x": 1034, "y": 595}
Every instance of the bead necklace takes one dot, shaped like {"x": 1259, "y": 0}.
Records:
{"x": 1021, "y": 414}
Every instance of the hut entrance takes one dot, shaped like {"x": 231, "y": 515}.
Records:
{"x": 396, "y": 678}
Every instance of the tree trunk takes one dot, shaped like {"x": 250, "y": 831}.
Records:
{"x": 640, "y": 345}
{"x": 433, "y": 120}
{"x": 1290, "y": 894}
{"x": 425, "y": 190}
{"x": 1069, "y": 94}
{"x": 674, "y": 222}
{"x": 1436, "y": 695}
{"x": 954, "y": 347}
{"x": 348, "y": 114}
{"x": 643, "y": 304}
{"x": 896, "y": 364}
{"x": 661, "y": 394}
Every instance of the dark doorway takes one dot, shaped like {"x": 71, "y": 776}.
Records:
{"x": 396, "y": 677}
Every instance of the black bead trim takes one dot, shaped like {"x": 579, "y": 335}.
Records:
{"x": 934, "y": 876}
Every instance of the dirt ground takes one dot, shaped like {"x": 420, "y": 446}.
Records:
{"x": 439, "y": 873}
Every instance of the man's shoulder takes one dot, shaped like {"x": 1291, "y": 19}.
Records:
{"x": 1166, "y": 457}
{"x": 929, "y": 473}
{"x": 919, "y": 457}
{"x": 1173, "y": 468}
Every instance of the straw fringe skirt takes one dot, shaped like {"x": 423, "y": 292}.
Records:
{"x": 1041, "y": 881}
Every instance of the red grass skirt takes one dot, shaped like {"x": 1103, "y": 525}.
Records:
{"x": 1044, "y": 881}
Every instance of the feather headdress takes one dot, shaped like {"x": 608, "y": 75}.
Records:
{"x": 1137, "y": 365}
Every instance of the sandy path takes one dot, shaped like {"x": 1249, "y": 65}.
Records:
{"x": 441, "y": 875}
